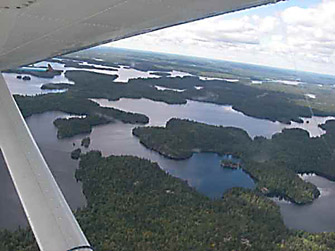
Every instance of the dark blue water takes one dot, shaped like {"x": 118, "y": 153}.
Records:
{"x": 204, "y": 172}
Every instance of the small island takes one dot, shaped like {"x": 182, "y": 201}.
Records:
{"x": 51, "y": 86}
{"x": 75, "y": 154}
{"x": 75, "y": 126}
{"x": 86, "y": 142}
{"x": 26, "y": 78}
{"x": 229, "y": 163}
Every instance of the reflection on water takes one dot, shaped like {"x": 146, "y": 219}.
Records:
{"x": 159, "y": 113}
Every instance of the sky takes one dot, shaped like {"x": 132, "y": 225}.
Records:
{"x": 294, "y": 34}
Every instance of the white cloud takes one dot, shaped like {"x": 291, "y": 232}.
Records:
{"x": 296, "y": 37}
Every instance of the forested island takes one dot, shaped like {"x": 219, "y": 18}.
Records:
{"x": 70, "y": 127}
{"x": 75, "y": 154}
{"x": 86, "y": 142}
{"x": 273, "y": 163}
{"x": 134, "y": 205}
{"x": 59, "y": 86}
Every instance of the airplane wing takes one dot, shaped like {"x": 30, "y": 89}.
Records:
{"x": 32, "y": 30}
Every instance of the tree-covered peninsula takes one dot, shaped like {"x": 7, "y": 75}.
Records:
{"x": 273, "y": 163}
{"x": 71, "y": 104}
{"x": 132, "y": 204}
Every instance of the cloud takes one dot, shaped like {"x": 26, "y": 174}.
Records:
{"x": 293, "y": 37}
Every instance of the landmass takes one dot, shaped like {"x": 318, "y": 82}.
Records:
{"x": 274, "y": 163}
{"x": 26, "y": 78}
{"x": 51, "y": 86}
{"x": 39, "y": 74}
{"x": 70, "y": 127}
{"x": 75, "y": 154}
{"x": 72, "y": 104}
{"x": 252, "y": 101}
{"x": 134, "y": 205}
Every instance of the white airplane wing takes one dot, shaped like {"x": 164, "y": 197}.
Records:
{"x": 32, "y": 30}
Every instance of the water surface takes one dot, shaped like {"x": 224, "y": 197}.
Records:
{"x": 57, "y": 155}
{"x": 202, "y": 171}
{"x": 159, "y": 113}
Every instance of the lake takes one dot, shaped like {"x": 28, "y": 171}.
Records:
{"x": 159, "y": 113}
{"x": 203, "y": 171}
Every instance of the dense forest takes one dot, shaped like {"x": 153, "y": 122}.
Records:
{"x": 273, "y": 163}
{"x": 252, "y": 101}
{"x": 134, "y": 205}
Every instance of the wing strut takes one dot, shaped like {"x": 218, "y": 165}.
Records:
{"x": 50, "y": 217}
